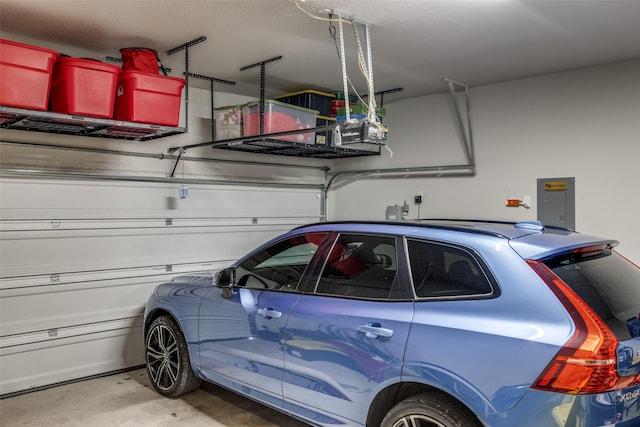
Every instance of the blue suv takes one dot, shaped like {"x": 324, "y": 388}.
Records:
{"x": 412, "y": 323}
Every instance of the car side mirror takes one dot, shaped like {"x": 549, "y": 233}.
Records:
{"x": 225, "y": 278}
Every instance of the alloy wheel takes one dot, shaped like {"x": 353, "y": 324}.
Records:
{"x": 163, "y": 359}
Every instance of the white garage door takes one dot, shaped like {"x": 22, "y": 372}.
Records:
{"x": 80, "y": 258}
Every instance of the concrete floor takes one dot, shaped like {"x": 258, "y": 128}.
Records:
{"x": 128, "y": 399}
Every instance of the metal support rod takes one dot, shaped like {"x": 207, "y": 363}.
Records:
{"x": 138, "y": 178}
{"x": 365, "y": 65}
{"x": 213, "y": 109}
{"x": 262, "y": 66}
{"x": 467, "y": 135}
{"x": 469, "y": 127}
{"x": 367, "y": 35}
{"x": 262, "y": 96}
{"x": 175, "y": 165}
{"x": 186, "y": 89}
{"x": 343, "y": 62}
{"x": 368, "y": 66}
{"x": 361, "y": 58}
{"x": 437, "y": 170}
{"x": 160, "y": 156}
{"x": 186, "y": 46}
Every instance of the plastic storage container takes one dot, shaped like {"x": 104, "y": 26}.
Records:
{"x": 353, "y": 110}
{"x": 148, "y": 98}
{"x": 279, "y": 117}
{"x": 228, "y": 122}
{"x": 311, "y": 99}
{"x": 84, "y": 86}
{"x": 25, "y": 75}
{"x": 338, "y": 104}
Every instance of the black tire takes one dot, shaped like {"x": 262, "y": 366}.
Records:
{"x": 167, "y": 359}
{"x": 429, "y": 410}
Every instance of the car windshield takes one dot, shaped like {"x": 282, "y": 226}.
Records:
{"x": 607, "y": 282}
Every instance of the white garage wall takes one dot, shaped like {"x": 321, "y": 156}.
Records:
{"x": 583, "y": 124}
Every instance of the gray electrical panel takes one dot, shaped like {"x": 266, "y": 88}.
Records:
{"x": 557, "y": 202}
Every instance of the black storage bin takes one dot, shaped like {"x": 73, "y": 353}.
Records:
{"x": 311, "y": 99}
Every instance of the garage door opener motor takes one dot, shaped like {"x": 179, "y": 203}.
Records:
{"x": 360, "y": 131}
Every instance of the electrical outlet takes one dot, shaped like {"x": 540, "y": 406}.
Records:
{"x": 513, "y": 203}
{"x": 418, "y": 199}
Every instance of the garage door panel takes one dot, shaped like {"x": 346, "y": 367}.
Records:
{"x": 81, "y": 250}
{"x": 58, "y": 199}
{"x": 87, "y": 303}
{"x": 85, "y": 353}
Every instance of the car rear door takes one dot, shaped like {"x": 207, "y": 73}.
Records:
{"x": 346, "y": 338}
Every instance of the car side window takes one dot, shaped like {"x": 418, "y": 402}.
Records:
{"x": 280, "y": 266}
{"x": 360, "y": 266}
{"x": 439, "y": 270}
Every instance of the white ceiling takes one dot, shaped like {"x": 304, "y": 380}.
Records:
{"x": 415, "y": 43}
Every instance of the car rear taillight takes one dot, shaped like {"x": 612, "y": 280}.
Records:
{"x": 587, "y": 363}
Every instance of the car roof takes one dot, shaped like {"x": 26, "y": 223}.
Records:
{"x": 530, "y": 239}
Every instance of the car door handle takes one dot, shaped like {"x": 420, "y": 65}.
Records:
{"x": 269, "y": 313}
{"x": 375, "y": 330}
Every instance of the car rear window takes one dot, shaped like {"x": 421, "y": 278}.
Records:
{"x": 360, "y": 266}
{"x": 607, "y": 282}
{"x": 440, "y": 270}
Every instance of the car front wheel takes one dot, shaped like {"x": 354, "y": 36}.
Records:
{"x": 428, "y": 410}
{"x": 167, "y": 359}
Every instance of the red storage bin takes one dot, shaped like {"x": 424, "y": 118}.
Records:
{"x": 25, "y": 75}
{"x": 279, "y": 117}
{"x": 84, "y": 86}
{"x": 148, "y": 98}
{"x": 335, "y": 105}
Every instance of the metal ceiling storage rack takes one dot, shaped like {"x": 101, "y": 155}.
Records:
{"x": 67, "y": 124}
{"x": 271, "y": 143}
{"x": 46, "y": 121}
